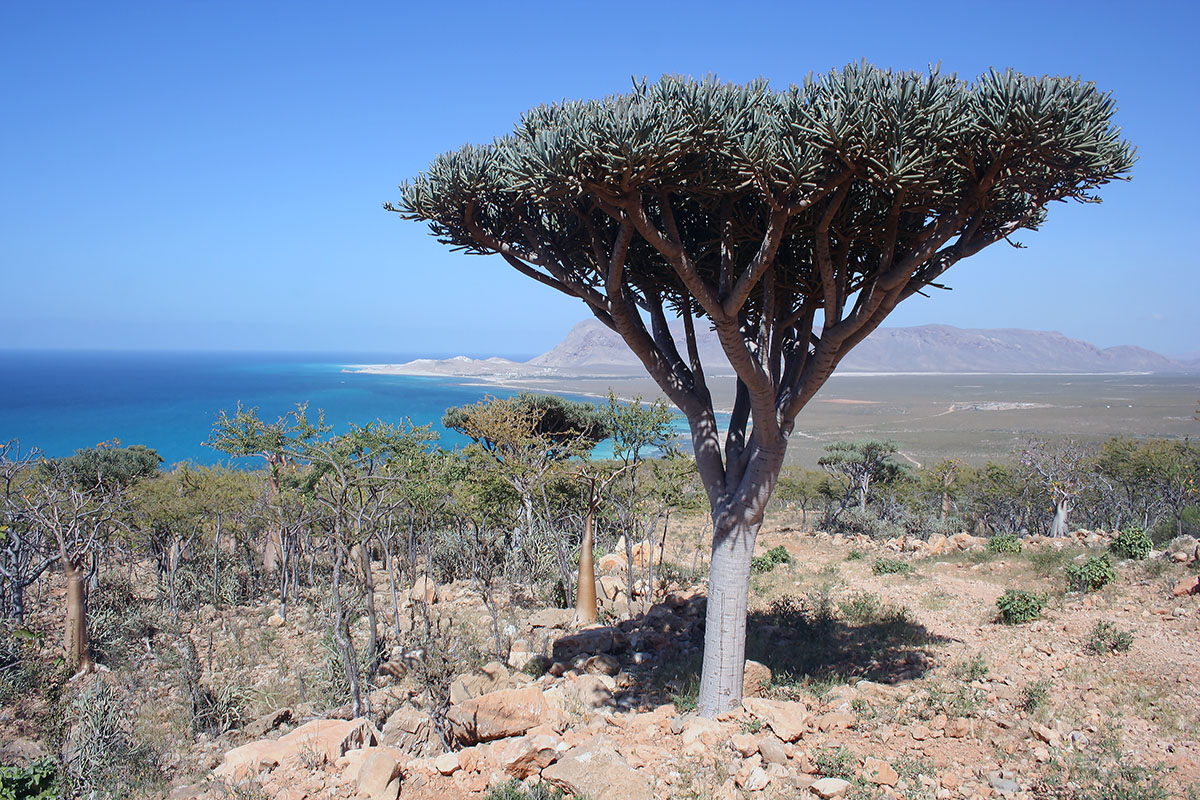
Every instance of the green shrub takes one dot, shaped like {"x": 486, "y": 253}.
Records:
{"x": 1092, "y": 575}
{"x": 37, "y": 781}
{"x": 1004, "y": 543}
{"x": 515, "y": 790}
{"x": 973, "y": 669}
{"x": 856, "y": 555}
{"x": 1034, "y": 695}
{"x": 1108, "y": 638}
{"x": 770, "y": 560}
{"x": 1132, "y": 543}
{"x": 862, "y": 608}
{"x": 837, "y": 763}
{"x": 104, "y": 757}
{"x": 1018, "y": 606}
{"x": 891, "y": 566}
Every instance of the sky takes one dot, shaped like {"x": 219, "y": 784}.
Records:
{"x": 211, "y": 175}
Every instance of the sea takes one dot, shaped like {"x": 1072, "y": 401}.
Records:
{"x": 60, "y": 401}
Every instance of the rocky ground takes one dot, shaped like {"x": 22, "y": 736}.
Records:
{"x": 877, "y": 669}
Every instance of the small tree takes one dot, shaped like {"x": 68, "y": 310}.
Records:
{"x": 858, "y": 465}
{"x": 766, "y": 213}
{"x": 1064, "y": 472}
{"x": 77, "y": 501}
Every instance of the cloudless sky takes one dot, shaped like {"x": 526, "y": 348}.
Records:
{"x": 210, "y": 175}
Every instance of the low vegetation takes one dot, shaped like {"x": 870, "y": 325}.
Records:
{"x": 1017, "y": 606}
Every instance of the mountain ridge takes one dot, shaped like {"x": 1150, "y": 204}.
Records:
{"x": 921, "y": 348}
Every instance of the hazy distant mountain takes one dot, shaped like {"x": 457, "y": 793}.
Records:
{"x": 924, "y": 348}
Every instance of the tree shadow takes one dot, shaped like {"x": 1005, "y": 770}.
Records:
{"x": 803, "y": 641}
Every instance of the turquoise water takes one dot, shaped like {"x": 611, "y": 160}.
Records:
{"x": 60, "y": 401}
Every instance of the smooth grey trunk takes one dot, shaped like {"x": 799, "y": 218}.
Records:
{"x": 341, "y": 635}
{"x": 725, "y": 622}
{"x": 1062, "y": 510}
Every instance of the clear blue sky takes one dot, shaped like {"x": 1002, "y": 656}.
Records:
{"x": 210, "y": 174}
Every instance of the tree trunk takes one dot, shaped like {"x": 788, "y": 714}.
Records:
{"x": 341, "y": 636}
{"x": 585, "y": 591}
{"x": 1062, "y": 509}
{"x": 945, "y": 505}
{"x": 725, "y": 623}
{"x": 75, "y": 635}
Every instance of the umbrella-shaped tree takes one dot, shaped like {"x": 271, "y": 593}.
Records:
{"x": 792, "y": 221}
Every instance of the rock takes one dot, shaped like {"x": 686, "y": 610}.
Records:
{"x": 1044, "y": 733}
{"x": 879, "y": 772}
{"x": 756, "y": 677}
{"x": 958, "y": 728}
{"x": 919, "y": 732}
{"x": 611, "y": 586}
{"x": 755, "y": 781}
{"x": 528, "y": 755}
{"x": 642, "y": 551}
{"x": 266, "y": 723}
{"x": 378, "y": 776}
{"x": 447, "y": 763}
{"x": 603, "y": 664}
{"x": 592, "y": 641}
{"x": 590, "y": 691}
{"x": 488, "y": 678}
{"x": 330, "y": 738}
{"x": 744, "y": 744}
{"x": 497, "y": 715}
{"x": 1187, "y": 586}
{"x": 694, "y": 728}
{"x": 772, "y": 751}
{"x": 936, "y": 544}
{"x": 787, "y": 719}
{"x": 1187, "y": 546}
{"x": 830, "y": 787}
{"x": 834, "y": 720}
{"x": 424, "y": 590}
{"x": 409, "y": 730}
{"x": 595, "y": 769}
{"x": 1003, "y": 784}
{"x": 612, "y": 562}
{"x": 275, "y": 621}
{"x": 551, "y": 618}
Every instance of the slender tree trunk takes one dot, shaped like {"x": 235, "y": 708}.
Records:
{"x": 341, "y": 635}
{"x": 725, "y": 623}
{"x": 1062, "y": 510}
{"x": 585, "y": 591}
{"x": 75, "y": 635}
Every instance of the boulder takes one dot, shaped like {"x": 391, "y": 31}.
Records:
{"x": 603, "y": 664}
{"x": 528, "y": 755}
{"x": 379, "y": 776}
{"x": 591, "y": 641}
{"x": 498, "y": 715}
{"x": 424, "y": 590}
{"x": 828, "y": 788}
{"x": 590, "y": 691}
{"x": 787, "y": 719}
{"x": 772, "y": 751}
{"x": 612, "y": 562}
{"x": 330, "y": 738}
{"x": 1187, "y": 586}
{"x": 596, "y": 769}
{"x": 409, "y": 730}
{"x": 266, "y": 723}
{"x": 611, "y": 586}
{"x": 551, "y": 618}
{"x": 879, "y": 772}
{"x": 958, "y": 728}
{"x": 488, "y": 678}
{"x": 447, "y": 763}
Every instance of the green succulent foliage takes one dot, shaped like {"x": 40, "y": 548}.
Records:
{"x": 1105, "y": 637}
{"x": 915, "y": 148}
{"x": 891, "y": 566}
{"x": 1017, "y": 606}
{"x": 1133, "y": 542}
{"x": 1004, "y": 543}
{"x": 36, "y": 781}
{"x": 1092, "y": 575}
{"x": 770, "y": 559}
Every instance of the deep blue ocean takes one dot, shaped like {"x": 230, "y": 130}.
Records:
{"x": 59, "y": 401}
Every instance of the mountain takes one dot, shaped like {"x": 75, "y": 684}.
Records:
{"x": 923, "y": 348}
